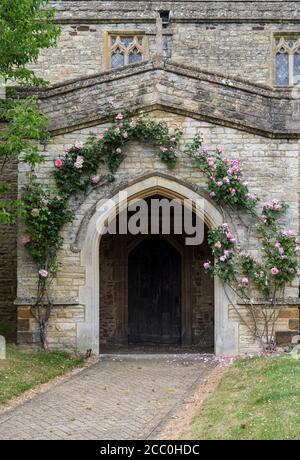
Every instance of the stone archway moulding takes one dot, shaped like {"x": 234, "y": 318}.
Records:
{"x": 226, "y": 331}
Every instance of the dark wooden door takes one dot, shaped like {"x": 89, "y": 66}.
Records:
{"x": 154, "y": 288}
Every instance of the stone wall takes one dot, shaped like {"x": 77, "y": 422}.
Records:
{"x": 219, "y": 79}
{"x": 266, "y": 165}
{"x": 225, "y": 37}
{"x": 8, "y": 262}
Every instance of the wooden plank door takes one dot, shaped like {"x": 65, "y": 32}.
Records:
{"x": 154, "y": 291}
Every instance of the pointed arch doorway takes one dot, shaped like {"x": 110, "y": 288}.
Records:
{"x": 92, "y": 245}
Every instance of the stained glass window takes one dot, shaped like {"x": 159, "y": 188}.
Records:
{"x": 287, "y": 60}
{"x": 126, "y": 49}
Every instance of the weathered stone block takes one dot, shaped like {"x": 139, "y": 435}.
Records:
{"x": 284, "y": 337}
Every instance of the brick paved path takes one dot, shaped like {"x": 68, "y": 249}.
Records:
{"x": 118, "y": 398}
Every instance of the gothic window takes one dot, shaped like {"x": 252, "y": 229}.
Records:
{"x": 126, "y": 49}
{"x": 287, "y": 61}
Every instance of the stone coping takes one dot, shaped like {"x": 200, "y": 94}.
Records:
{"x": 171, "y": 87}
{"x": 69, "y": 11}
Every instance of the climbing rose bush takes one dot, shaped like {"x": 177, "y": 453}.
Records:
{"x": 225, "y": 177}
{"x": 78, "y": 172}
{"x": 78, "y": 168}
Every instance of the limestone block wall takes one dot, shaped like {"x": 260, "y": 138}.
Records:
{"x": 270, "y": 165}
{"x": 287, "y": 326}
{"x": 228, "y": 37}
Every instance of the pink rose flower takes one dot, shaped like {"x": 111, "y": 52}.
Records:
{"x": 58, "y": 163}
{"x": 219, "y": 183}
{"x": 133, "y": 124}
{"x": 219, "y": 149}
{"x": 210, "y": 161}
{"x": 79, "y": 162}
{"x": 119, "y": 116}
{"x": 118, "y": 151}
{"x": 252, "y": 196}
{"x": 222, "y": 258}
{"x": 274, "y": 271}
{"x": 163, "y": 149}
{"x": 245, "y": 280}
{"x": 233, "y": 191}
{"x": 218, "y": 245}
{"x": 117, "y": 131}
{"x": 225, "y": 225}
{"x": 297, "y": 250}
{"x": 207, "y": 265}
{"x": 263, "y": 218}
{"x": 212, "y": 194}
{"x": 205, "y": 151}
{"x": 230, "y": 237}
{"x": 78, "y": 145}
{"x": 173, "y": 139}
{"x": 35, "y": 212}
{"x": 95, "y": 179}
{"x": 125, "y": 135}
{"x": 288, "y": 233}
{"x": 25, "y": 239}
{"x": 43, "y": 273}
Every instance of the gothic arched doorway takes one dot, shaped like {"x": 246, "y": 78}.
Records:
{"x": 154, "y": 293}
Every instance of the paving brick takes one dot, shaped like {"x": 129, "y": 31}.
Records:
{"x": 78, "y": 409}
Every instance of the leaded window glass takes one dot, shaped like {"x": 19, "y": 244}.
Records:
{"x": 117, "y": 58}
{"x": 287, "y": 61}
{"x": 126, "y": 49}
{"x": 282, "y": 68}
{"x": 135, "y": 56}
{"x": 297, "y": 68}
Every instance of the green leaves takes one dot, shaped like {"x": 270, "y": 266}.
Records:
{"x": 26, "y": 28}
{"x": 24, "y": 125}
{"x": 225, "y": 178}
{"x": 45, "y": 213}
{"x": 74, "y": 172}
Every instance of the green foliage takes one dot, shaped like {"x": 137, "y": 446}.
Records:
{"x": 225, "y": 177}
{"x": 74, "y": 173}
{"x": 26, "y": 28}
{"x": 24, "y": 124}
{"x": 45, "y": 214}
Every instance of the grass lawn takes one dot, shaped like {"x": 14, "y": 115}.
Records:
{"x": 23, "y": 370}
{"x": 257, "y": 398}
